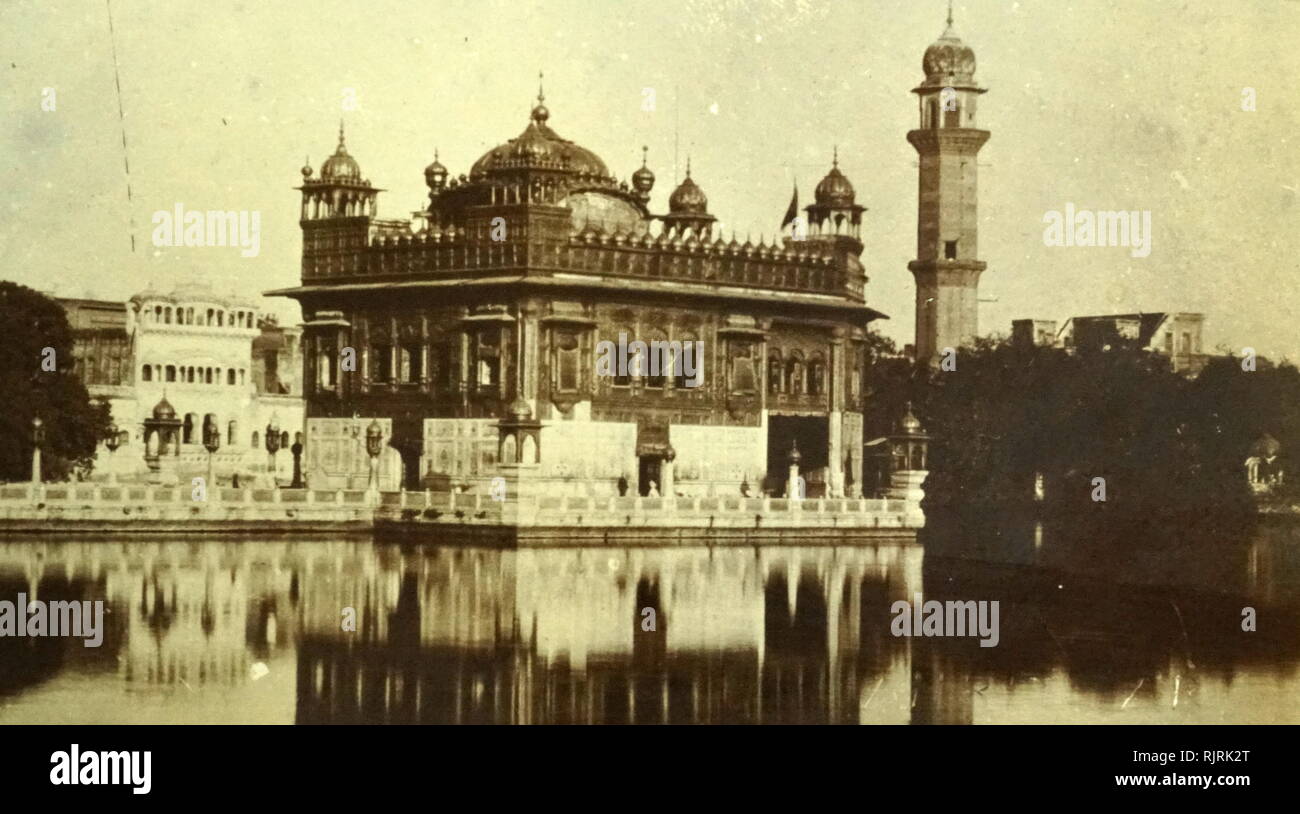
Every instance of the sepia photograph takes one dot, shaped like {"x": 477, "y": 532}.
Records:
{"x": 795, "y": 362}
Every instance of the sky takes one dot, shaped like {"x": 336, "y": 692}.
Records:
{"x": 1103, "y": 104}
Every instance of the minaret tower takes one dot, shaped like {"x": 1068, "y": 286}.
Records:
{"x": 947, "y": 231}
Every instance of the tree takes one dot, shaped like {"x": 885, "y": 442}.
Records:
{"x": 1007, "y": 414}
{"x": 36, "y": 336}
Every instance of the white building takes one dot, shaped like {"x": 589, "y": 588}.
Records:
{"x": 209, "y": 357}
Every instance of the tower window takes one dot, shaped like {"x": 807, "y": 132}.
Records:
{"x": 950, "y": 249}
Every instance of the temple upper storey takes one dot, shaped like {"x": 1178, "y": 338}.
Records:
{"x": 540, "y": 205}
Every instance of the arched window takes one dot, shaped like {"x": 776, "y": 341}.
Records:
{"x": 230, "y": 376}
{"x": 565, "y": 354}
{"x": 743, "y": 374}
{"x": 146, "y": 374}
{"x": 187, "y": 436}
{"x": 687, "y": 373}
{"x": 231, "y": 429}
{"x": 325, "y": 370}
{"x": 623, "y": 373}
{"x": 171, "y": 373}
{"x": 167, "y": 315}
{"x": 255, "y": 444}
{"x": 817, "y": 375}
{"x": 796, "y": 385}
{"x": 775, "y": 374}
{"x": 659, "y": 360}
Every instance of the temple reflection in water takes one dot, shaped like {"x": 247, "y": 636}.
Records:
{"x": 219, "y": 631}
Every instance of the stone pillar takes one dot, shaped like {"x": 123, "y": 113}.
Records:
{"x": 666, "y": 487}
{"x": 528, "y": 356}
{"x": 792, "y": 480}
{"x": 835, "y": 417}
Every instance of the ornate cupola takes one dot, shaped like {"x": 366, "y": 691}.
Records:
{"x": 688, "y": 207}
{"x": 339, "y": 191}
{"x": 835, "y": 216}
{"x": 435, "y": 176}
{"x": 338, "y": 206}
{"x": 643, "y": 180}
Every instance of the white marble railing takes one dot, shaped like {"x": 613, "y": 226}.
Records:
{"x": 177, "y": 502}
{"x": 98, "y": 494}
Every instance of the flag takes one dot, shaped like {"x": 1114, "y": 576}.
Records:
{"x": 793, "y": 211}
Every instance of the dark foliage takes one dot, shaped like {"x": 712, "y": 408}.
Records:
{"x": 29, "y": 323}
{"x": 1170, "y": 449}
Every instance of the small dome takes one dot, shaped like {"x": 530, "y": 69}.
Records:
{"x": 643, "y": 180}
{"x": 435, "y": 175}
{"x": 164, "y": 411}
{"x": 540, "y": 147}
{"x": 341, "y": 167}
{"x": 520, "y": 411}
{"x": 909, "y": 423}
{"x": 835, "y": 190}
{"x": 949, "y": 60}
{"x": 688, "y": 198}
{"x": 306, "y": 168}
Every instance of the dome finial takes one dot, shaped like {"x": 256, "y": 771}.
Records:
{"x": 645, "y": 151}
{"x": 950, "y": 13}
{"x": 688, "y": 166}
{"x": 540, "y": 113}
{"x": 835, "y": 156}
{"x": 340, "y": 134}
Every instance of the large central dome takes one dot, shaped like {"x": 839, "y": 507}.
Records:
{"x": 541, "y": 148}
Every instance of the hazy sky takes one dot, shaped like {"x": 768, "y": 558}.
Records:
{"x": 1106, "y": 104}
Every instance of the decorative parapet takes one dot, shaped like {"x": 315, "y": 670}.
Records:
{"x": 394, "y": 252}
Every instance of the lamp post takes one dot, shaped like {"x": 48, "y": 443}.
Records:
{"x": 212, "y": 443}
{"x": 374, "y": 443}
{"x": 38, "y": 438}
{"x": 272, "y": 444}
{"x": 113, "y": 441}
{"x": 296, "y": 449}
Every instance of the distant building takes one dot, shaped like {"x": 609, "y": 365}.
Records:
{"x": 1028, "y": 332}
{"x": 209, "y": 355}
{"x": 1175, "y": 335}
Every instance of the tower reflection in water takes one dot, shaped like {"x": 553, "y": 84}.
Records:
{"x": 253, "y": 632}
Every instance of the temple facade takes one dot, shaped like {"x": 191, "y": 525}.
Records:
{"x": 482, "y": 314}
